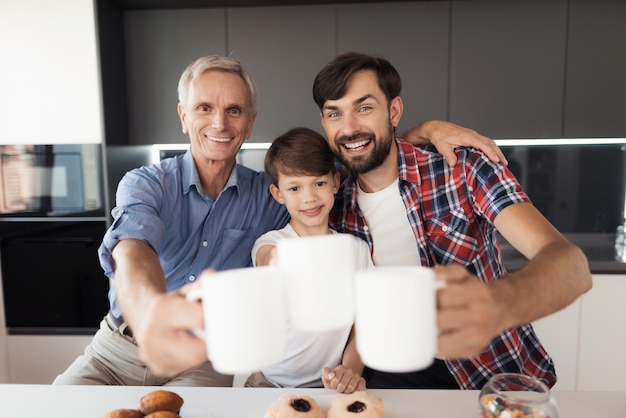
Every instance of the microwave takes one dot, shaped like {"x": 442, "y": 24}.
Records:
{"x": 51, "y": 180}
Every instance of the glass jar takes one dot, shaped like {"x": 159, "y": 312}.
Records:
{"x": 513, "y": 395}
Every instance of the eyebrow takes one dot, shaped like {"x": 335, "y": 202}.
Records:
{"x": 355, "y": 102}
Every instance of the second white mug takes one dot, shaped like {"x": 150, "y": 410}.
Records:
{"x": 319, "y": 286}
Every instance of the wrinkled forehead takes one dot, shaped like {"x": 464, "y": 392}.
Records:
{"x": 219, "y": 88}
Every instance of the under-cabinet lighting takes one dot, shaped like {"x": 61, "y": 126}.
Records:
{"x": 558, "y": 141}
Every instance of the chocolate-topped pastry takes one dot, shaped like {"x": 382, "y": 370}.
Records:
{"x": 294, "y": 406}
{"x": 160, "y": 400}
{"x": 359, "y": 402}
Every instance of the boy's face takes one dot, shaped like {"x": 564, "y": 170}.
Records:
{"x": 308, "y": 200}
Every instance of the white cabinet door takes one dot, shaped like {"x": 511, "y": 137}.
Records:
{"x": 559, "y": 334}
{"x": 603, "y": 335}
{"x": 38, "y": 359}
{"x": 49, "y": 75}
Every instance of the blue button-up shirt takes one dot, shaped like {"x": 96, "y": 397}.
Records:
{"x": 164, "y": 206}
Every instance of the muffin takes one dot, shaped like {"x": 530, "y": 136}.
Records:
{"x": 124, "y": 413}
{"x": 160, "y": 400}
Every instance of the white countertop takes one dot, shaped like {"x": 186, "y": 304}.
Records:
{"x": 30, "y": 401}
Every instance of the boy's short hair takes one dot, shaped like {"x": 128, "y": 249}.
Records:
{"x": 299, "y": 151}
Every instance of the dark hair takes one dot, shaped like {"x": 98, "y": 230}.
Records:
{"x": 331, "y": 82}
{"x": 299, "y": 151}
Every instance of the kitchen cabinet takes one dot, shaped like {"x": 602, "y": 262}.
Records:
{"x": 603, "y": 335}
{"x": 49, "y": 73}
{"x": 560, "y": 337}
{"x": 595, "y": 89}
{"x": 159, "y": 46}
{"x": 283, "y": 48}
{"x": 506, "y": 68}
{"x": 414, "y": 37}
{"x": 40, "y": 358}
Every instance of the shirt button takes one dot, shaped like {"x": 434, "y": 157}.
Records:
{"x": 204, "y": 243}
{"x": 444, "y": 229}
{"x": 192, "y": 278}
{"x": 365, "y": 228}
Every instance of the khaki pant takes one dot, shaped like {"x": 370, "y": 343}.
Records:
{"x": 258, "y": 380}
{"x": 113, "y": 359}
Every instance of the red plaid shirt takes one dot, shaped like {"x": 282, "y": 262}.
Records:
{"x": 451, "y": 210}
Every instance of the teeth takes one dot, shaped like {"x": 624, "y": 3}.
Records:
{"x": 355, "y": 145}
{"x": 216, "y": 139}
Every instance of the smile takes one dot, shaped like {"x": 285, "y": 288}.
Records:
{"x": 357, "y": 145}
{"x": 217, "y": 139}
{"x": 312, "y": 212}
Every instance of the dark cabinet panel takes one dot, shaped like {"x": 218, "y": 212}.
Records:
{"x": 507, "y": 67}
{"x": 51, "y": 277}
{"x": 595, "y": 93}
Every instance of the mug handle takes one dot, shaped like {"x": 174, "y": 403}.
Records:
{"x": 195, "y": 295}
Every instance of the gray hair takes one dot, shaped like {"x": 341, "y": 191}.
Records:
{"x": 216, "y": 63}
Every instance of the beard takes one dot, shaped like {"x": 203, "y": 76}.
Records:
{"x": 363, "y": 164}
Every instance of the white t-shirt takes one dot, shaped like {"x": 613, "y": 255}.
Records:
{"x": 394, "y": 240}
{"x": 307, "y": 353}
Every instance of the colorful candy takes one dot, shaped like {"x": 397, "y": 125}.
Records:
{"x": 497, "y": 407}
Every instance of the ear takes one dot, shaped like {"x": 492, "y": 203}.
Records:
{"x": 275, "y": 192}
{"x": 336, "y": 182}
{"x": 395, "y": 110}
{"x": 182, "y": 115}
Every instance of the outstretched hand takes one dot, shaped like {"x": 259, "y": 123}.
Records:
{"x": 165, "y": 341}
{"x": 446, "y": 136}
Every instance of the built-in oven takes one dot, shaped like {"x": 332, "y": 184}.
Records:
{"x": 53, "y": 215}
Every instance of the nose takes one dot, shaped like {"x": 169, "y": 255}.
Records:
{"x": 309, "y": 195}
{"x": 351, "y": 124}
{"x": 219, "y": 121}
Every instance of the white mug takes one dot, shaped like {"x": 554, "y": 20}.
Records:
{"x": 245, "y": 318}
{"x": 396, "y": 329}
{"x": 319, "y": 286}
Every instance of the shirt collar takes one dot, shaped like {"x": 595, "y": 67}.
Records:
{"x": 408, "y": 168}
{"x": 192, "y": 178}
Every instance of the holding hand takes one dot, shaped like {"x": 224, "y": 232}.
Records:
{"x": 446, "y": 136}
{"x": 343, "y": 379}
{"x": 164, "y": 339}
{"x": 466, "y": 313}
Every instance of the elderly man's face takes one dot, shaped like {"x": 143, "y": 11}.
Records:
{"x": 217, "y": 116}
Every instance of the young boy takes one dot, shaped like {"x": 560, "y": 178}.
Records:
{"x": 301, "y": 167}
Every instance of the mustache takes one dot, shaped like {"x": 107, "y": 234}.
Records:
{"x": 346, "y": 138}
